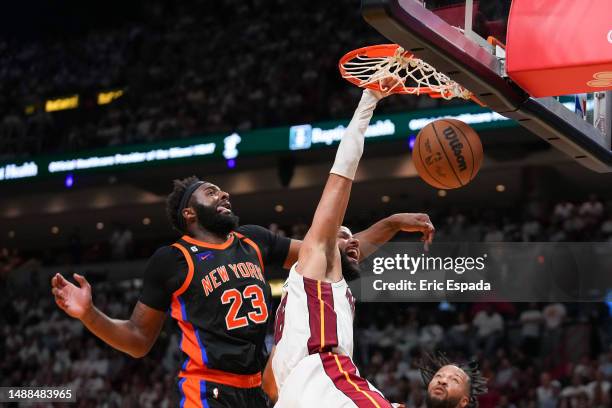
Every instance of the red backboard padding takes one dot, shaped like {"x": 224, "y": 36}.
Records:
{"x": 559, "y": 47}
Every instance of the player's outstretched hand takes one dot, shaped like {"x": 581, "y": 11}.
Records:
{"x": 74, "y": 300}
{"x": 396, "y": 405}
{"x": 387, "y": 86}
{"x": 417, "y": 222}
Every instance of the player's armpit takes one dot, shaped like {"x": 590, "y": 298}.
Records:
{"x": 292, "y": 255}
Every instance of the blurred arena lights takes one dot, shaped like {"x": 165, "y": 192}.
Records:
{"x": 385, "y": 199}
{"x": 411, "y": 140}
{"x": 55, "y": 230}
{"x": 69, "y": 181}
{"x": 11, "y": 234}
{"x": 279, "y": 208}
{"x": 100, "y": 225}
{"x": 146, "y": 221}
{"x": 441, "y": 193}
{"x": 231, "y": 163}
{"x": 500, "y": 188}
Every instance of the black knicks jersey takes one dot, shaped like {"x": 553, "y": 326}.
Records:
{"x": 218, "y": 295}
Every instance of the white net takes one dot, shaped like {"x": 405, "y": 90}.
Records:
{"x": 414, "y": 75}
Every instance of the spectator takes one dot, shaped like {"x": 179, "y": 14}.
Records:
{"x": 506, "y": 375}
{"x": 531, "y": 320}
{"x": 563, "y": 211}
{"x": 489, "y": 327}
{"x": 504, "y": 402}
{"x": 598, "y": 391}
{"x": 592, "y": 210}
{"x": 574, "y": 390}
{"x": 121, "y": 242}
{"x": 548, "y": 392}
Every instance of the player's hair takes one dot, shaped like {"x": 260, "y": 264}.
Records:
{"x": 431, "y": 363}
{"x": 173, "y": 201}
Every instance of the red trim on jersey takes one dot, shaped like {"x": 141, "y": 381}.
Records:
{"x": 194, "y": 241}
{"x": 279, "y": 322}
{"x": 321, "y": 316}
{"x": 192, "y": 393}
{"x": 343, "y": 373}
{"x": 255, "y": 246}
{"x": 189, "y": 277}
{"x": 223, "y": 377}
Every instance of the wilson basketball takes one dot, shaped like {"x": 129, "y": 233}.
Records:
{"x": 447, "y": 154}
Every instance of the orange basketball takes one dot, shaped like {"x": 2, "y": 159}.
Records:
{"x": 447, "y": 154}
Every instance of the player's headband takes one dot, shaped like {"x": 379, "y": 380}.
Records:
{"x": 185, "y": 200}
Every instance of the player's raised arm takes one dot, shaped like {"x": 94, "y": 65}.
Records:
{"x": 319, "y": 249}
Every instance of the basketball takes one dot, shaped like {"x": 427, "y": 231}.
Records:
{"x": 447, "y": 154}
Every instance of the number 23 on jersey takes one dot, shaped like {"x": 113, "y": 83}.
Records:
{"x": 234, "y": 297}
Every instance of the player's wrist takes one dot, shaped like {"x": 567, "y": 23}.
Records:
{"x": 374, "y": 96}
{"x": 89, "y": 314}
{"x": 395, "y": 222}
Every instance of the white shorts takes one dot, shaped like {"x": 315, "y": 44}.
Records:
{"x": 328, "y": 380}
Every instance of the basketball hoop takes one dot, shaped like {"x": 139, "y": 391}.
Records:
{"x": 366, "y": 67}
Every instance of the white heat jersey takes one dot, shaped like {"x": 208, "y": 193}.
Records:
{"x": 313, "y": 317}
{"x": 328, "y": 380}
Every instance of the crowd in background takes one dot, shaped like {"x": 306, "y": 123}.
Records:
{"x": 534, "y": 355}
{"x": 187, "y": 68}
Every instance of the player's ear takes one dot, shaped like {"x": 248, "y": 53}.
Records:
{"x": 189, "y": 214}
{"x": 464, "y": 402}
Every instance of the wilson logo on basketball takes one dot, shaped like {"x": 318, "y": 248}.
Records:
{"x": 456, "y": 146}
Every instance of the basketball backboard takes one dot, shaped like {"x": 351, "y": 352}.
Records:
{"x": 464, "y": 40}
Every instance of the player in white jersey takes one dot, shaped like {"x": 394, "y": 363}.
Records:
{"x": 313, "y": 316}
{"x": 314, "y": 326}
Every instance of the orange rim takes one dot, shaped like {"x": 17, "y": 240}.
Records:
{"x": 380, "y": 51}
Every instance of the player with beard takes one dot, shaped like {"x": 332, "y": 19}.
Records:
{"x": 451, "y": 385}
{"x": 311, "y": 363}
{"x": 212, "y": 281}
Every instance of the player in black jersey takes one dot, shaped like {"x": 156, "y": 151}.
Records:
{"x": 212, "y": 280}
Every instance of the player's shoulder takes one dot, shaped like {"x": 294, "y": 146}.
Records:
{"x": 252, "y": 229}
{"x": 257, "y": 233}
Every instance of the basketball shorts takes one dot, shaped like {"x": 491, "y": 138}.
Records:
{"x": 194, "y": 393}
{"x": 328, "y": 380}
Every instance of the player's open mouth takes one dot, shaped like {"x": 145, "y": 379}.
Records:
{"x": 224, "y": 209}
{"x": 352, "y": 254}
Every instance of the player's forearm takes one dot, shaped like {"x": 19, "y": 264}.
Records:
{"x": 332, "y": 206}
{"x": 122, "y": 335}
{"x": 376, "y": 235}
{"x": 351, "y": 146}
